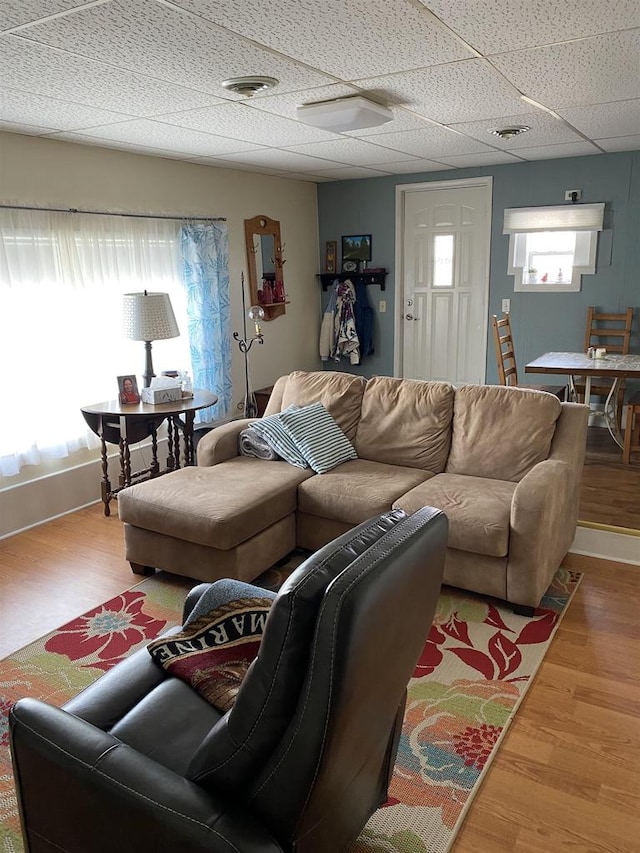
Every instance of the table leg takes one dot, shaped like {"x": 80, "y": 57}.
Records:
{"x": 188, "y": 438}
{"x": 154, "y": 469}
{"x": 176, "y": 437}
{"x": 105, "y": 485}
{"x": 610, "y": 413}
{"x": 171, "y": 462}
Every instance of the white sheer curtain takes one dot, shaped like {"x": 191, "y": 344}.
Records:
{"x": 62, "y": 277}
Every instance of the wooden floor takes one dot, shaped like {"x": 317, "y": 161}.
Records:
{"x": 610, "y": 491}
{"x": 567, "y": 775}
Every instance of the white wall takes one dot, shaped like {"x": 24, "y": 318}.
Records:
{"x": 48, "y": 173}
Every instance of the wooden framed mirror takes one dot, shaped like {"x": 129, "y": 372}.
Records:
{"x": 265, "y": 263}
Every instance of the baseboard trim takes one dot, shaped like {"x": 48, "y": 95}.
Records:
{"x": 610, "y": 528}
{"x": 599, "y": 541}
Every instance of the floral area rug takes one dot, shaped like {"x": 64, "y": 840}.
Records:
{"x": 475, "y": 669}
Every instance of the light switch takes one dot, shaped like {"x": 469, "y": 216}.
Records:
{"x": 506, "y": 306}
{"x": 382, "y": 306}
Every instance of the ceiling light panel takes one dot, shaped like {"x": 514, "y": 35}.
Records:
{"x": 343, "y": 114}
{"x": 355, "y": 39}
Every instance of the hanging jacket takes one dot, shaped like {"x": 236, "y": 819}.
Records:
{"x": 327, "y": 334}
{"x": 363, "y": 315}
{"x": 346, "y": 341}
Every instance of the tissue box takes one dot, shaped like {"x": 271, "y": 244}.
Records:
{"x": 161, "y": 395}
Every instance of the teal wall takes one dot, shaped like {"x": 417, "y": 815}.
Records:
{"x": 540, "y": 321}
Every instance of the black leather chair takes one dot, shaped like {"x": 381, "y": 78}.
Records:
{"x": 141, "y": 762}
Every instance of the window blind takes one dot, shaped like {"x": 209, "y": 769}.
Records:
{"x": 568, "y": 217}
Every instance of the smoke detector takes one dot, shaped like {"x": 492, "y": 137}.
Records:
{"x": 508, "y": 133}
{"x": 249, "y": 86}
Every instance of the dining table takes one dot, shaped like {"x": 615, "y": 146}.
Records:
{"x": 574, "y": 364}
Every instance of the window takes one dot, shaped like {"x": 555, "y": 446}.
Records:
{"x": 551, "y": 248}
{"x": 61, "y": 341}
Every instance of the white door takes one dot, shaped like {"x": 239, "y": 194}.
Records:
{"x": 442, "y": 288}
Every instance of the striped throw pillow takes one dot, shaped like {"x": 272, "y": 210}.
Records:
{"x": 277, "y": 436}
{"x": 317, "y": 437}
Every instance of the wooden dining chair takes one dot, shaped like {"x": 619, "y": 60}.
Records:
{"x": 631, "y": 429}
{"x": 506, "y": 358}
{"x": 613, "y": 332}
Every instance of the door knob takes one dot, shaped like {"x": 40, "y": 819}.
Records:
{"x": 411, "y": 317}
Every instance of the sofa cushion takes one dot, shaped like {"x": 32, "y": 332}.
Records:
{"x": 340, "y": 394}
{"x": 499, "y": 432}
{"x": 405, "y": 422}
{"x": 219, "y": 506}
{"x": 478, "y": 510}
{"x": 357, "y": 490}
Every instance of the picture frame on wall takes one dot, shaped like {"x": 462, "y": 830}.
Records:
{"x": 330, "y": 255}
{"x": 356, "y": 247}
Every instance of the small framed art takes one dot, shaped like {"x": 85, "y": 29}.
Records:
{"x": 356, "y": 247}
{"x": 330, "y": 255}
{"x": 128, "y": 390}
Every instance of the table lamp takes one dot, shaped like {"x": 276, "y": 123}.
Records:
{"x": 148, "y": 317}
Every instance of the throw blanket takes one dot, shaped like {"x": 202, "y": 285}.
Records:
{"x": 218, "y": 641}
{"x": 251, "y": 443}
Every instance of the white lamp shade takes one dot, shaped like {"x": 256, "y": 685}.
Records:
{"x": 148, "y": 317}
{"x": 353, "y": 113}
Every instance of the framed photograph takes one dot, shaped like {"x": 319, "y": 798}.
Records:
{"x": 330, "y": 255}
{"x": 128, "y": 390}
{"x": 356, "y": 247}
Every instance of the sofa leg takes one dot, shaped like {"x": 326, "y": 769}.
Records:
{"x": 138, "y": 569}
{"x": 523, "y": 610}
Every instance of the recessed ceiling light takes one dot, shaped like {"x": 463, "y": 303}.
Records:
{"x": 508, "y": 133}
{"x": 249, "y": 86}
{"x": 340, "y": 114}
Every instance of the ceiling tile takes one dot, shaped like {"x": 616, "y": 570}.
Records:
{"x": 407, "y": 167}
{"x": 495, "y": 158}
{"x": 620, "y": 143}
{"x": 170, "y": 138}
{"x": 429, "y": 142}
{"x": 14, "y": 13}
{"x": 494, "y": 26}
{"x": 153, "y": 39}
{"x": 544, "y": 129}
{"x": 549, "y": 152}
{"x": 241, "y": 122}
{"x": 402, "y": 120}
{"x": 348, "y": 40}
{"x": 117, "y": 145}
{"x": 26, "y": 129}
{"x": 348, "y": 172}
{"x": 460, "y": 91}
{"x": 281, "y": 159}
{"x": 60, "y": 115}
{"x": 577, "y": 72}
{"x": 40, "y": 70}
{"x": 355, "y": 152}
{"x": 600, "y": 121}
{"x": 302, "y": 176}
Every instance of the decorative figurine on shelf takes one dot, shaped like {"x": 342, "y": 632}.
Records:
{"x": 278, "y": 291}
{"x": 545, "y": 278}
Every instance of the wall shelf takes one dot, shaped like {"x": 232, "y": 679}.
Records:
{"x": 366, "y": 277}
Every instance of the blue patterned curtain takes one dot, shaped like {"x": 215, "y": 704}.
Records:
{"x": 205, "y": 273}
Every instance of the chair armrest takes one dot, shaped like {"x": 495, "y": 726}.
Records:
{"x": 82, "y": 789}
{"x": 543, "y": 526}
{"x": 221, "y": 443}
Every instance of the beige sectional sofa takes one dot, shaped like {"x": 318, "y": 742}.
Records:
{"x": 504, "y": 464}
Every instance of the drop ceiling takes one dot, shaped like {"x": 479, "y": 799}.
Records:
{"x": 145, "y": 76}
